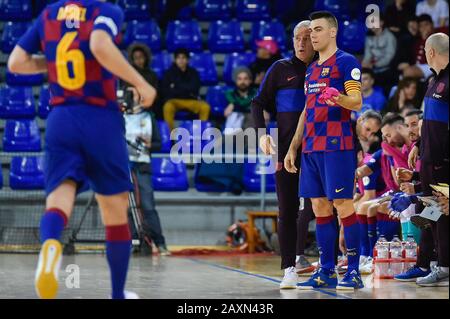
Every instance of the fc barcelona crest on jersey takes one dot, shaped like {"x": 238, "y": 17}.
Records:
{"x": 325, "y": 72}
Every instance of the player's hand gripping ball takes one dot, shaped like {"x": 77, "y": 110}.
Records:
{"x": 327, "y": 94}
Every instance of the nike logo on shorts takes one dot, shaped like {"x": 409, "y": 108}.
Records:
{"x": 339, "y": 190}
{"x": 291, "y": 78}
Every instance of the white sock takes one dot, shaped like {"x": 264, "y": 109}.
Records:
{"x": 297, "y": 258}
{"x": 444, "y": 269}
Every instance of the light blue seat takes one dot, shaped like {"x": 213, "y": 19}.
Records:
{"x": 184, "y": 34}
{"x": 224, "y": 37}
{"x": 21, "y": 136}
{"x": 146, "y": 32}
{"x": 17, "y": 102}
{"x": 204, "y": 64}
{"x": 168, "y": 176}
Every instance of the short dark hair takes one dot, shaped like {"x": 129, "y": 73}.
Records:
{"x": 424, "y": 17}
{"x": 391, "y": 119}
{"x": 326, "y": 15}
{"x": 417, "y": 112}
{"x": 368, "y": 71}
{"x": 182, "y": 51}
{"x": 372, "y": 114}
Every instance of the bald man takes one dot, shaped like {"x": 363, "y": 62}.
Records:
{"x": 434, "y": 148}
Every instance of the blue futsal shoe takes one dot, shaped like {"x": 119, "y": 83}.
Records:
{"x": 351, "y": 281}
{"x": 412, "y": 274}
{"x": 321, "y": 278}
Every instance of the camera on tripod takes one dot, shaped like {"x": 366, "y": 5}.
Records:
{"x": 126, "y": 101}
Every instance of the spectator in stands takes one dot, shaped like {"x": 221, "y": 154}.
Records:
{"x": 142, "y": 132}
{"x": 397, "y": 15}
{"x": 372, "y": 99}
{"x": 379, "y": 52}
{"x": 180, "y": 86}
{"x": 404, "y": 97}
{"x": 140, "y": 57}
{"x": 267, "y": 53}
{"x": 436, "y": 9}
{"x": 417, "y": 66}
{"x": 237, "y": 113}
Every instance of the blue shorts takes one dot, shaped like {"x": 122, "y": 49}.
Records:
{"x": 86, "y": 144}
{"x": 328, "y": 174}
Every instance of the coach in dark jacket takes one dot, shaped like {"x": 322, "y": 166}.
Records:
{"x": 282, "y": 93}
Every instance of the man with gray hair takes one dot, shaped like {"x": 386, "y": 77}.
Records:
{"x": 434, "y": 148}
{"x": 282, "y": 93}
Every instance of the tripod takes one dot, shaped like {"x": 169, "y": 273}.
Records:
{"x": 136, "y": 216}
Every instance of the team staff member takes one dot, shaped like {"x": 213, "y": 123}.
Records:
{"x": 282, "y": 92}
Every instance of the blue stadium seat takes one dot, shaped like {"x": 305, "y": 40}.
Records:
{"x": 273, "y": 29}
{"x": 204, "y": 64}
{"x": 26, "y": 173}
{"x": 161, "y": 62}
{"x": 146, "y": 32}
{"x": 185, "y": 13}
{"x": 168, "y": 176}
{"x": 194, "y": 139}
{"x": 15, "y": 10}
{"x": 44, "y": 102}
{"x": 215, "y": 97}
{"x": 251, "y": 10}
{"x": 252, "y": 176}
{"x": 12, "y": 31}
{"x": 205, "y": 187}
{"x": 224, "y": 37}
{"x": 135, "y": 9}
{"x": 17, "y": 102}
{"x": 351, "y": 36}
{"x": 210, "y": 10}
{"x": 26, "y": 80}
{"x": 164, "y": 132}
{"x": 21, "y": 136}
{"x": 340, "y": 8}
{"x": 234, "y": 60}
{"x": 184, "y": 34}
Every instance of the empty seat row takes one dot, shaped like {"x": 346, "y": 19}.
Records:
{"x": 223, "y": 36}
{"x": 27, "y": 173}
{"x": 17, "y": 102}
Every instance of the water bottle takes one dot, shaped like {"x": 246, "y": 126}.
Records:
{"x": 382, "y": 252}
{"x": 410, "y": 251}
{"x": 396, "y": 252}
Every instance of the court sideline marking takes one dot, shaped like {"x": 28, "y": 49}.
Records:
{"x": 242, "y": 272}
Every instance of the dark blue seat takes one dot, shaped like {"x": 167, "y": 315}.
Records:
{"x": 204, "y": 64}
{"x": 215, "y": 97}
{"x": 251, "y": 10}
{"x": 164, "y": 132}
{"x": 161, "y": 62}
{"x": 21, "y": 136}
{"x": 184, "y": 34}
{"x": 168, "y": 176}
{"x": 252, "y": 176}
{"x": 207, "y": 187}
{"x": 44, "y": 102}
{"x": 135, "y": 9}
{"x": 273, "y": 29}
{"x": 351, "y": 36}
{"x": 26, "y": 173}
{"x": 12, "y": 31}
{"x": 340, "y": 8}
{"x": 210, "y": 10}
{"x": 27, "y": 80}
{"x": 17, "y": 102}
{"x": 196, "y": 129}
{"x": 15, "y": 10}
{"x": 146, "y": 32}
{"x": 185, "y": 13}
{"x": 234, "y": 60}
{"x": 226, "y": 37}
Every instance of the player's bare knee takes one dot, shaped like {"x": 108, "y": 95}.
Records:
{"x": 344, "y": 207}
{"x": 322, "y": 207}
{"x": 114, "y": 208}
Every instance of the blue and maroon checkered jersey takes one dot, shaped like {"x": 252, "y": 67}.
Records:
{"x": 62, "y": 33}
{"x": 328, "y": 128}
